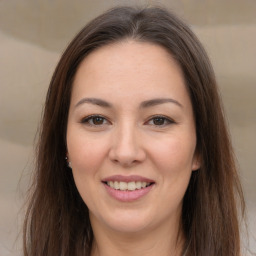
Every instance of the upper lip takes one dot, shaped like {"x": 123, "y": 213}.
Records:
{"x": 129, "y": 178}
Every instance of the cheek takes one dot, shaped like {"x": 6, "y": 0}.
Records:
{"x": 86, "y": 158}
{"x": 86, "y": 154}
{"x": 175, "y": 154}
{"x": 172, "y": 160}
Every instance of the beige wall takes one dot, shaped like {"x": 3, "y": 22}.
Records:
{"x": 34, "y": 33}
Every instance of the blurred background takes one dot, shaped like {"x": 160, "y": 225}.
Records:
{"x": 33, "y": 34}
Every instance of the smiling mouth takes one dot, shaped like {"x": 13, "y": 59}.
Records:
{"x": 128, "y": 186}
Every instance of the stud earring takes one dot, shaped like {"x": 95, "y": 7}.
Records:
{"x": 68, "y": 162}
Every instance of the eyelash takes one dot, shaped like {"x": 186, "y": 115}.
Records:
{"x": 87, "y": 120}
{"x": 166, "y": 120}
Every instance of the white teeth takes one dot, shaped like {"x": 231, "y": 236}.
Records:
{"x": 123, "y": 185}
{"x": 128, "y": 185}
{"x": 138, "y": 184}
{"x": 131, "y": 185}
{"x": 116, "y": 185}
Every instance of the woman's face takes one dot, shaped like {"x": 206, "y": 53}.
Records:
{"x": 131, "y": 137}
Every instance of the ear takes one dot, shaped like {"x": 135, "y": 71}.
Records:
{"x": 68, "y": 161}
{"x": 196, "y": 162}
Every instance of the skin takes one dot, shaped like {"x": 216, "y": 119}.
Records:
{"x": 129, "y": 140}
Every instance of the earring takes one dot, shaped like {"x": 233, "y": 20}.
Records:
{"x": 68, "y": 162}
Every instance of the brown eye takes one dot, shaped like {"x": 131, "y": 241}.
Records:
{"x": 97, "y": 120}
{"x": 94, "y": 120}
{"x": 160, "y": 121}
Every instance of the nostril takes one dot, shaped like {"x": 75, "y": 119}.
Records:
{"x": 126, "y": 150}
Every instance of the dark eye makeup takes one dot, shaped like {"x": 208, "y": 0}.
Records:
{"x": 160, "y": 120}
{"x": 94, "y": 120}
{"x": 98, "y": 120}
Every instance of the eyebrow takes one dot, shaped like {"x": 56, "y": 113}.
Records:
{"x": 158, "y": 101}
{"x": 144, "y": 104}
{"x": 94, "y": 101}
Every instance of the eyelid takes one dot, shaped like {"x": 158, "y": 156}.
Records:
{"x": 166, "y": 118}
{"x": 85, "y": 120}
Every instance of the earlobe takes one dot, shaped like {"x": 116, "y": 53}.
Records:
{"x": 196, "y": 164}
{"x": 68, "y": 162}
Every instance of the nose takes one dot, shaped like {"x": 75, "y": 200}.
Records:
{"x": 127, "y": 147}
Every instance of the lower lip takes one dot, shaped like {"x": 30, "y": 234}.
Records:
{"x": 127, "y": 195}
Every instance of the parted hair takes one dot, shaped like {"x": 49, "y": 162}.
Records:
{"x": 57, "y": 220}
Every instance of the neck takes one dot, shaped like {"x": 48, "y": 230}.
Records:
{"x": 167, "y": 240}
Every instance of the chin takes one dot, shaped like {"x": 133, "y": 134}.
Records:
{"x": 127, "y": 221}
{"x": 131, "y": 226}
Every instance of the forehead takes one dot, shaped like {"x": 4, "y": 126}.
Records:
{"x": 129, "y": 68}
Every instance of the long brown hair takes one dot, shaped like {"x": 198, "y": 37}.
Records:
{"x": 57, "y": 220}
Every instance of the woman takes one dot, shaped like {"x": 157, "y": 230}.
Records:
{"x": 134, "y": 109}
